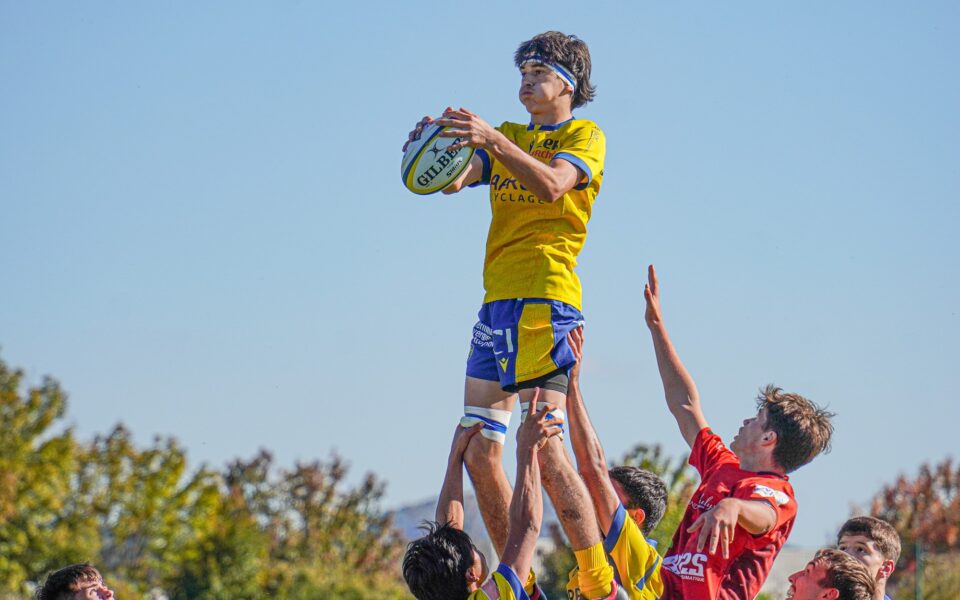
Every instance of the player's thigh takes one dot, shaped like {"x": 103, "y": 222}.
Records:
{"x": 487, "y": 394}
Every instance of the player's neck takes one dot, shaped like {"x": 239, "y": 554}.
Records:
{"x": 551, "y": 115}
{"x": 760, "y": 463}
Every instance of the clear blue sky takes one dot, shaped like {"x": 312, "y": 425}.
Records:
{"x": 204, "y": 233}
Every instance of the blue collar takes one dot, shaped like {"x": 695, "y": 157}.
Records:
{"x": 533, "y": 126}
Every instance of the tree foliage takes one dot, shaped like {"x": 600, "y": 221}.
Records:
{"x": 152, "y": 525}
{"x": 925, "y": 509}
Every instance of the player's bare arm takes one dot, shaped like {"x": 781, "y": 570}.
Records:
{"x": 591, "y": 461}
{"x": 683, "y": 400}
{"x": 717, "y": 525}
{"x": 548, "y": 181}
{"x": 526, "y": 506}
{"x": 450, "y": 504}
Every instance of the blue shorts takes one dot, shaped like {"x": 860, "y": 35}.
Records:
{"x": 521, "y": 341}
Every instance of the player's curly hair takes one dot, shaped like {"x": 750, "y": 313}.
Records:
{"x": 803, "y": 429}
{"x": 435, "y": 566}
{"x": 567, "y": 50}
{"x": 644, "y": 490}
{"x": 846, "y": 574}
{"x": 63, "y": 583}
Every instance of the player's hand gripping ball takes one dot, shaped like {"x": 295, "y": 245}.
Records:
{"x": 428, "y": 165}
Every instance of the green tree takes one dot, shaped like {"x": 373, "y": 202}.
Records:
{"x": 558, "y": 561}
{"x": 35, "y": 476}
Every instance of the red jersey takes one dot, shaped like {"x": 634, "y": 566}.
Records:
{"x": 691, "y": 575}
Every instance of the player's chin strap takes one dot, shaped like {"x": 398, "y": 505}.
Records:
{"x": 553, "y": 414}
{"x": 495, "y": 422}
{"x": 557, "y": 68}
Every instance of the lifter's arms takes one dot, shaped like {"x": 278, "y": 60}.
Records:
{"x": 591, "y": 461}
{"x": 549, "y": 181}
{"x": 678, "y": 386}
{"x": 450, "y": 504}
{"x": 526, "y": 507}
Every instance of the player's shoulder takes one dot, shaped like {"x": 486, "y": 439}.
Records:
{"x": 503, "y": 584}
{"x": 575, "y": 125}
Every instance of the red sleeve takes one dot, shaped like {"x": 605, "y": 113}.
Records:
{"x": 773, "y": 490}
{"x": 708, "y": 453}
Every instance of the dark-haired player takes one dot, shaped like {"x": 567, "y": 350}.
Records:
{"x": 74, "y": 582}
{"x": 876, "y": 544}
{"x": 831, "y": 575}
{"x": 744, "y": 506}
{"x": 543, "y": 176}
{"x": 629, "y": 501}
{"x": 445, "y": 565}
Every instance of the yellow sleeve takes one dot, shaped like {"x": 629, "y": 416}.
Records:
{"x": 585, "y": 147}
{"x": 637, "y": 561}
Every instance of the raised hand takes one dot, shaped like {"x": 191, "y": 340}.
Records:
{"x": 461, "y": 439}
{"x": 538, "y": 427}
{"x": 651, "y": 293}
{"x": 575, "y": 341}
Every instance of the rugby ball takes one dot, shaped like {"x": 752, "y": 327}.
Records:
{"x": 428, "y": 165}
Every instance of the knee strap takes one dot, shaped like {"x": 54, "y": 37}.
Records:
{"x": 495, "y": 422}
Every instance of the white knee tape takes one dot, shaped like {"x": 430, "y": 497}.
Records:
{"x": 495, "y": 422}
{"x": 555, "y": 413}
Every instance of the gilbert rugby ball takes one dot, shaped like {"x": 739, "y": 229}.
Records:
{"x": 428, "y": 166}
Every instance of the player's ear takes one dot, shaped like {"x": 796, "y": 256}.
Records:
{"x": 638, "y": 515}
{"x": 769, "y": 438}
{"x": 886, "y": 569}
{"x": 829, "y": 594}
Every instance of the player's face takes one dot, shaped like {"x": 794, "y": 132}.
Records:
{"x": 751, "y": 433}
{"x": 539, "y": 86}
{"x": 809, "y": 584}
{"x": 863, "y": 549}
{"x": 480, "y": 562}
{"x": 93, "y": 590}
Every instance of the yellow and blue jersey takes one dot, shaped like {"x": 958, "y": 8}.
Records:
{"x": 635, "y": 560}
{"x": 503, "y": 584}
{"x": 532, "y": 245}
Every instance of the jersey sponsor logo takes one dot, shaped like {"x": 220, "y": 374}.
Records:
{"x": 508, "y": 189}
{"x": 703, "y": 504}
{"x": 688, "y": 565}
{"x": 768, "y": 492}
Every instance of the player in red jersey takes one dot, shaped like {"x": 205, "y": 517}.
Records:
{"x": 743, "y": 511}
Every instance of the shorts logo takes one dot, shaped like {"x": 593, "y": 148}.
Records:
{"x": 503, "y": 364}
{"x": 767, "y": 492}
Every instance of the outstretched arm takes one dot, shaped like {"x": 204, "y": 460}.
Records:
{"x": 591, "y": 461}
{"x": 678, "y": 386}
{"x": 526, "y": 507}
{"x": 549, "y": 181}
{"x": 450, "y": 504}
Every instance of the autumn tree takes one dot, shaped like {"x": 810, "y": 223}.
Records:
{"x": 925, "y": 509}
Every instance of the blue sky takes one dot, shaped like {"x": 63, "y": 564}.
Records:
{"x": 205, "y": 235}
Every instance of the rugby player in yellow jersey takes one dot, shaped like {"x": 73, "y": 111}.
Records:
{"x": 445, "y": 565}
{"x": 543, "y": 177}
{"x": 629, "y": 501}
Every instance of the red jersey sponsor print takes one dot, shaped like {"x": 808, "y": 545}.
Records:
{"x": 691, "y": 575}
